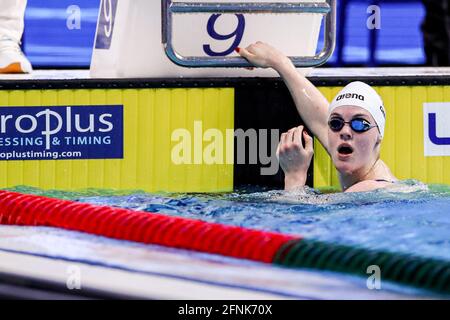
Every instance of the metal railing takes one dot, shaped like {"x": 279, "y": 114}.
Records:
{"x": 169, "y": 8}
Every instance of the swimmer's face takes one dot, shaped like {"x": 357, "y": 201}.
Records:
{"x": 351, "y": 151}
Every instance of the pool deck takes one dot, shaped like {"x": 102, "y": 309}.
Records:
{"x": 314, "y": 74}
{"x": 131, "y": 270}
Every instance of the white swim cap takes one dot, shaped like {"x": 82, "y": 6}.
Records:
{"x": 364, "y": 96}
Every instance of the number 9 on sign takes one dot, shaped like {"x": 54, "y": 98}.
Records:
{"x": 105, "y": 26}
{"x": 237, "y": 34}
{"x": 107, "y": 13}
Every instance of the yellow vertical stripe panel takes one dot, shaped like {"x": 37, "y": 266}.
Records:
{"x": 435, "y": 164}
{"x": 150, "y": 117}
{"x": 222, "y": 172}
{"x": 177, "y": 177}
{"x": 161, "y": 131}
{"x": 113, "y": 166}
{"x": 402, "y": 139}
{"x": 146, "y": 138}
{"x": 4, "y": 102}
{"x": 196, "y": 111}
{"x": 211, "y": 121}
{"x": 322, "y": 166}
{"x": 194, "y": 171}
{"x": 226, "y": 122}
{"x": 418, "y": 163}
{"x": 128, "y": 175}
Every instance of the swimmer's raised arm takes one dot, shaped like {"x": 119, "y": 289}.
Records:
{"x": 310, "y": 102}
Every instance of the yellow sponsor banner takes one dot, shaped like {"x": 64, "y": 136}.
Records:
{"x": 150, "y": 117}
{"x": 403, "y": 145}
{"x": 181, "y": 140}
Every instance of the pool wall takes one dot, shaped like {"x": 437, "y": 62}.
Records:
{"x": 149, "y": 118}
{"x": 190, "y": 120}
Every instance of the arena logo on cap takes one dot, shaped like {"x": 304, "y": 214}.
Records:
{"x": 383, "y": 112}
{"x": 61, "y": 132}
{"x": 350, "y": 96}
{"x": 436, "y": 116}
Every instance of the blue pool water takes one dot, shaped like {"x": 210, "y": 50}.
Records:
{"x": 415, "y": 220}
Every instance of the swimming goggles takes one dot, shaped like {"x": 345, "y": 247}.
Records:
{"x": 358, "y": 125}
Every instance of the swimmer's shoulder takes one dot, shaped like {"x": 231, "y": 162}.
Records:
{"x": 369, "y": 185}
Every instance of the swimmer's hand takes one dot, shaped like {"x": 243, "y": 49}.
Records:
{"x": 262, "y": 55}
{"x": 295, "y": 158}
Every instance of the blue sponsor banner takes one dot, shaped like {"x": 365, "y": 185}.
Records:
{"x": 105, "y": 25}
{"x": 63, "y": 132}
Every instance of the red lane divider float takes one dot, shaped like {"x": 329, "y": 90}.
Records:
{"x": 139, "y": 226}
